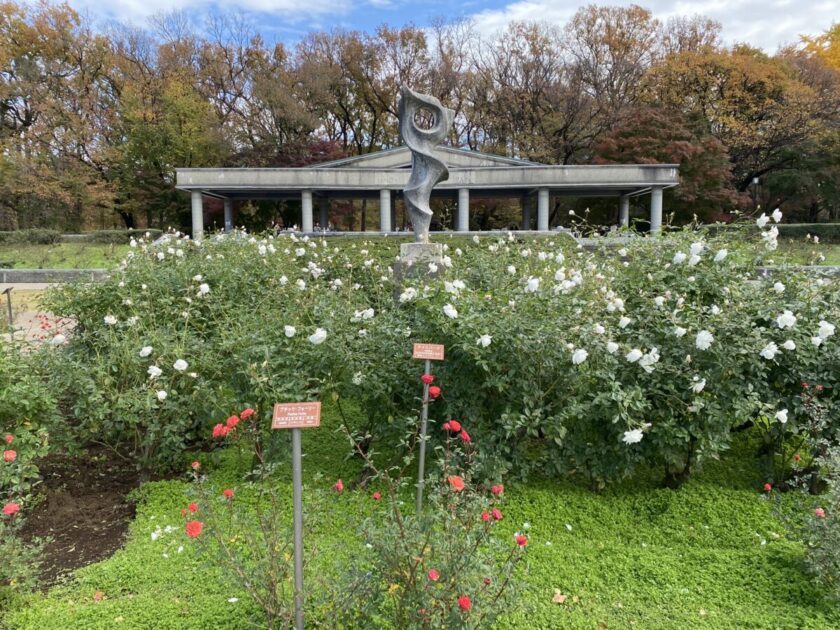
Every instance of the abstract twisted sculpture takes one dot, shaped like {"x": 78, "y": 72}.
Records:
{"x": 427, "y": 169}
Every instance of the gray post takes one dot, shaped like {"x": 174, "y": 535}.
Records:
{"x": 524, "y": 202}
{"x": 424, "y": 417}
{"x": 542, "y": 209}
{"x": 324, "y": 212}
{"x": 624, "y": 211}
{"x": 228, "y": 216}
{"x": 306, "y": 211}
{"x": 462, "y": 223}
{"x": 197, "y": 215}
{"x": 384, "y": 210}
{"x": 655, "y": 209}
{"x": 297, "y": 490}
{"x": 8, "y": 293}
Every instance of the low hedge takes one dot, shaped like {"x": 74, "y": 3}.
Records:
{"x": 34, "y": 236}
{"x": 116, "y": 237}
{"x": 827, "y": 232}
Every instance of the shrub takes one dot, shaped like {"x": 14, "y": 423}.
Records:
{"x": 34, "y": 236}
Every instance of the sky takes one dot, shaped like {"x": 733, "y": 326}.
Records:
{"x": 764, "y": 23}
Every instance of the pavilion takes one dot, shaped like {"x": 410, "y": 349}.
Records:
{"x": 385, "y": 173}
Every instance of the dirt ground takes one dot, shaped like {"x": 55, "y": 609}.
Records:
{"x": 85, "y": 510}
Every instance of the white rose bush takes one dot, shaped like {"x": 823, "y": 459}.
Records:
{"x": 569, "y": 362}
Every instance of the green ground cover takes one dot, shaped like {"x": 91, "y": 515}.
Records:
{"x": 711, "y": 555}
{"x": 61, "y": 255}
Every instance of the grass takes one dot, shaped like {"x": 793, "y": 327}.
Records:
{"x": 711, "y": 555}
{"x": 810, "y": 254}
{"x": 61, "y": 256}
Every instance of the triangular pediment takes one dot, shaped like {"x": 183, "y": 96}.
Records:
{"x": 401, "y": 158}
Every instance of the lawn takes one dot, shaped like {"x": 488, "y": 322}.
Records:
{"x": 711, "y": 555}
{"x": 61, "y": 256}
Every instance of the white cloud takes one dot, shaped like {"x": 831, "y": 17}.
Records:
{"x": 764, "y": 23}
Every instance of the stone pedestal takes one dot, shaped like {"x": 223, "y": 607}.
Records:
{"x": 414, "y": 261}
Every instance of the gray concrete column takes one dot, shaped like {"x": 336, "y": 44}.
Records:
{"x": 462, "y": 221}
{"x": 526, "y": 212}
{"x": 384, "y": 210}
{"x": 228, "y": 216}
{"x": 306, "y": 211}
{"x": 655, "y": 209}
{"x": 197, "y": 215}
{"x": 324, "y": 212}
{"x": 393, "y": 212}
{"x": 624, "y": 211}
{"x": 542, "y": 209}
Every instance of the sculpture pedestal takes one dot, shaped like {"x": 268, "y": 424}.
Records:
{"x": 415, "y": 258}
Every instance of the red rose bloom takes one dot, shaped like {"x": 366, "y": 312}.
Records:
{"x": 183, "y": 511}
{"x": 9, "y": 456}
{"x": 497, "y": 514}
{"x": 232, "y": 422}
{"x": 228, "y": 493}
{"x": 217, "y": 431}
{"x": 454, "y": 426}
{"x": 497, "y": 489}
{"x": 434, "y": 576}
{"x": 193, "y": 507}
{"x": 485, "y": 516}
{"x": 488, "y": 581}
{"x": 446, "y": 426}
{"x": 819, "y": 513}
{"x": 428, "y": 379}
{"x": 434, "y": 391}
{"x": 521, "y": 540}
{"x": 767, "y": 487}
{"x": 376, "y": 496}
{"x": 797, "y": 457}
{"x": 464, "y": 602}
{"x": 465, "y": 437}
{"x": 456, "y": 482}
{"x": 247, "y": 413}
{"x": 339, "y": 485}
{"x": 9, "y": 438}
{"x": 194, "y": 528}
{"x": 196, "y": 465}
{"x": 11, "y": 508}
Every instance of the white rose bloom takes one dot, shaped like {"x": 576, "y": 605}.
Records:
{"x": 579, "y": 356}
{"x": 58, "y": 340}
{"x": 789, "y": 345}
{"x": 433, "y": 267}
{"x": 110, "y": 320}
{"x": 679, "y": 331}
{"x": 694, "y": 260}
{"x": 358, "y": 378}
{"x": 203, "y": 289}
{"x": 599, "y": 330}
{"x": 198, "y": 278}
{"x": 703, "y": 340}
{"x": 720, "y": 255}
{"x": 624, "y": 322}
{"x": 762, "y": 220}
{"x": 786, "y": 320}
{"x": 450, "y": 311}
{"x": 659, "y": 300}
{"x": 180, "y": 365}
{"x": 161, "y": 395}
{"x": 161, "y": 255}
{"x": 283, "y": 281}
{"x": 262, "y": 250}
{"x": 698, "y": 385}
{"x": 769, "y": 351}
{"x": 511, "y": 270}
{"x": 318, "y": 336}
{"x": 300, "y": 284}
{"x": 715, "y": 309}
{"x": 533, "y": 285}
{"x": 484, "y": 341}
{"x": 633, "y": 437}
{"x": 145, "y": 351}
{"x": 782, "y": 416}
{"x": 777, "y": 215}
{"x": 779, "y": 287}
{"x": 696, "y": 248}
{"x": 817, "y": 341}
{"x": 154, "y": 371}
{"x": 289, "y": 331}
{"x": 634, "y": 355}
{"x": 826, "y": 330}
{"x": 409, "y": 294}
{"x": 300, "y": 251}
{"x": 612, "y": 347}
{"x": 678, "y": 258}
{"x": 648, "y": 360}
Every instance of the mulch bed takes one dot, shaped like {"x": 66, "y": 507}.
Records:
{"x": 84, "y": 508}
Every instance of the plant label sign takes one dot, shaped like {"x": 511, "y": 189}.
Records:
{"x": 305, "y": 415}
{"x": 428, "y": 351}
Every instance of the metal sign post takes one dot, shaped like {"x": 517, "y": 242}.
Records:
{"x": 8, "y": 293}
{"x": 297, "y": 416}
{"x": 430, "y": 352}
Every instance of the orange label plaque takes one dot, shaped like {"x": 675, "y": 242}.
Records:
{"x": 428, "y": 351}
{"x": 296, "y": 415}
